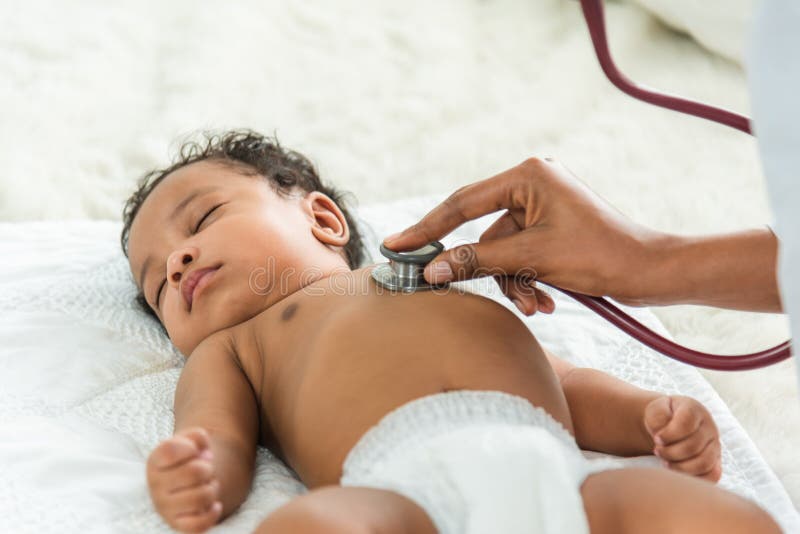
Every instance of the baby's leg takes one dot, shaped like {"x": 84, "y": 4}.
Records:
{"x": 348, "y": 510}
{"x": 659, "y": 501}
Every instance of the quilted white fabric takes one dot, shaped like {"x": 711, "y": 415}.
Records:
{"x": 87, "y": 383}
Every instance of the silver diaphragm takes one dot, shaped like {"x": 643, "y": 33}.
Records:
{"x": 404, "y": 271}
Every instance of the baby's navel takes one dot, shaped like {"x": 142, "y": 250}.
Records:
{"x": 289, "y": 311}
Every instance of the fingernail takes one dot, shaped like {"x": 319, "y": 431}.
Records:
{"x": 657, "y": 453}
{"x": 217, "y": 506}
{"x": 659, "y": 441}
{"x": 439, "y": 272}
{"x": 391, "y": 237}
{"x": 207, "y": 454}
{"x": 518, "y": 304}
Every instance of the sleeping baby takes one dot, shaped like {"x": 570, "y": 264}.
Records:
{"x": 402, "y": 413}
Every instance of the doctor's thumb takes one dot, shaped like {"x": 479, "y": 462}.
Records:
{"x": 455, "y": 264}
{"x": 472, "y": 261}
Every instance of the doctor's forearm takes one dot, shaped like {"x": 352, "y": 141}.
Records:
{"x": 736, "y": 270}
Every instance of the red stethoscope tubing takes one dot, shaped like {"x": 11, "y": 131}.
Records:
{"x": 593, "y": 13}
{"x": 637, "y": 330}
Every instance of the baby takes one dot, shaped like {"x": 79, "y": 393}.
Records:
{"x": 420, "y": 413}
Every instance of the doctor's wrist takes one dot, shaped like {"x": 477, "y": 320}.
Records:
{"x": 650, "y": 279}
{"x": 669, "y": 258}
{"x": 735, "y": 270}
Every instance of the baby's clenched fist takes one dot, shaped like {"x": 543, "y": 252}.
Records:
{"x": 685, "y": 436}
{"x": 183, "y": 487}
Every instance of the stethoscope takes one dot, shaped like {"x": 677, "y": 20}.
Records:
{"x": 404, "y": 270}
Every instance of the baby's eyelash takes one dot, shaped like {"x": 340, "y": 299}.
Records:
{"x": 158, "y": 295}
{"x": 200, "y": 222}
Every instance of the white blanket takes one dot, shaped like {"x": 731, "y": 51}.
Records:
{"x": 87, "y": 383}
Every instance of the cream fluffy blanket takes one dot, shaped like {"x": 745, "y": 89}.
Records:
{"x": 394, "y": 99}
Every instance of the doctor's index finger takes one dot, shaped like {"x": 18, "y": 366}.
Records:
{"x": 465, "y": 204}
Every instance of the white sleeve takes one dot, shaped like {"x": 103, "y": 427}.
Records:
{"x": 773, "y": 71}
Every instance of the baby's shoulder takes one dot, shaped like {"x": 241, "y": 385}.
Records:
{"x": 218, "y": 344}
{"x": 223, "y": 352}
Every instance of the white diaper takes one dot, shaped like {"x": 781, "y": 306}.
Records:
{"x": 478, "y": 462}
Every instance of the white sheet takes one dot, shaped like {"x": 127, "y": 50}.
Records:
{"x": 86, "y": 383}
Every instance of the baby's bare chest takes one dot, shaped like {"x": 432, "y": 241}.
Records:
{"x": 354, "y": 364}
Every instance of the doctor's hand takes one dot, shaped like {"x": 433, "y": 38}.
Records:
{"x": 555, "y": 229}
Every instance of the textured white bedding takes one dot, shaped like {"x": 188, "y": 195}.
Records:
{"x": 87, "y": 382}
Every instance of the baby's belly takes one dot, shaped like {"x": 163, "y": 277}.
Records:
{"x": 363, "y": 367}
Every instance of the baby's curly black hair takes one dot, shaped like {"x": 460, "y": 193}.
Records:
{"x": 252, "y": 154}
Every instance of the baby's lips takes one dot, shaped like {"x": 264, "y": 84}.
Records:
{"x": 192, "y": 280}
{"x": 207, "y": 454}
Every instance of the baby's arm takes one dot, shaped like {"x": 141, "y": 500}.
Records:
{"x": 612, "y": 416}
{"x": 216, "y": 430}
{"x": 607, "y": 413}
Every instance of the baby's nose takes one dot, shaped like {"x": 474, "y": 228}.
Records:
{"x": 176, "y": 276}
{"x": 177, "y": 262}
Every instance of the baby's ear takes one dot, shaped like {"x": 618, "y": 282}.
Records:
{"x": 329, "y": 224}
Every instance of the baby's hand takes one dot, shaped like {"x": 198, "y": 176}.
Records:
{"x": 685, "y": 435}
{"x": 183, "y": 487}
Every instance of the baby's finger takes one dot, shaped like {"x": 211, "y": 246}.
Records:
{"x": 712, "y": 476}
{"x": 172, "y": 452}
{"x": 686, "y": 448}
{"x": 715, "y": 474}
{"x": 194, "y": 500}
{"x": 658, "y": 414}
{"x": 194, "y": 473}
{"x": 702, "y": 464}
{"x": 685, "y": 421}
{"x": 197, "y": 434}
{"x": 199, "y": 522}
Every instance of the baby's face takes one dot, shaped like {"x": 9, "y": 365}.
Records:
{"x": 246, "y": 245}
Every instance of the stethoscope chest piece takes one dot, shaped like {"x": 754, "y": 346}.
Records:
{"x": 404, "y": 270}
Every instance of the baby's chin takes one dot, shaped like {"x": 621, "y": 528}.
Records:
{"x": 187, "y": 342}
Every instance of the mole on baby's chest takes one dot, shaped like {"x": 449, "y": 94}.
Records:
{"x": 289, "y": 311}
